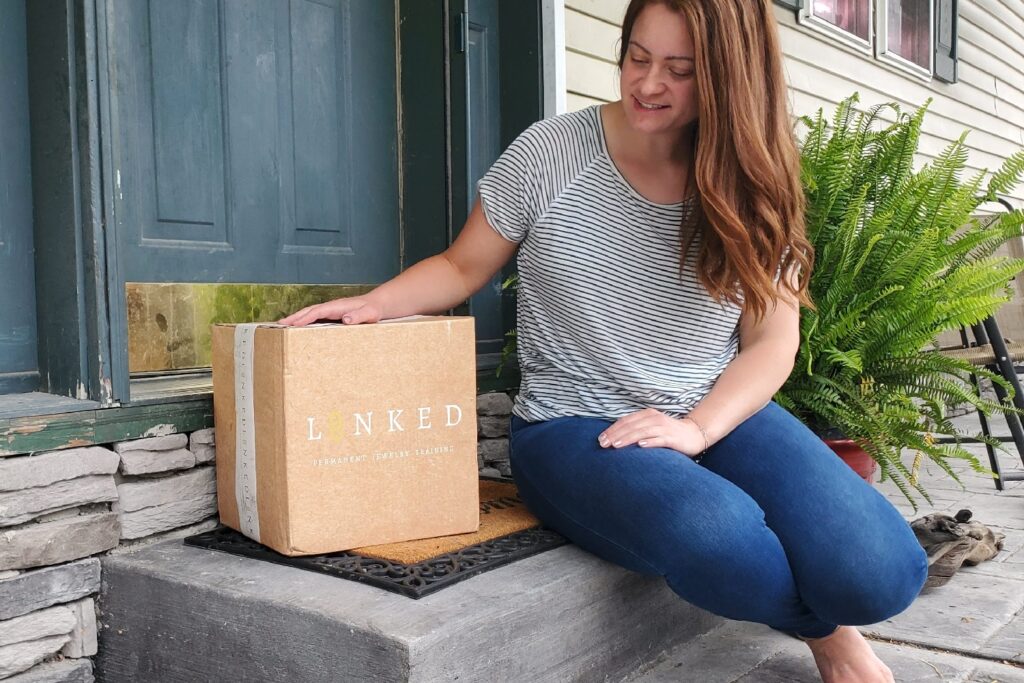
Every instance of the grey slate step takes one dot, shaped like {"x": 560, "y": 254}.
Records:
{"x": 177, "y": 613}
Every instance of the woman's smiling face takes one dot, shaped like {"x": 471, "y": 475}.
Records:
{"x": 657, "y": 81}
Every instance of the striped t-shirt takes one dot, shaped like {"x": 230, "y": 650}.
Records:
{"x": 606, "y": 325}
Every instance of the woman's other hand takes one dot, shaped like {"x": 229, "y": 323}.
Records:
{"x": 349, "y": 310}
{"x": 650, "y": 428}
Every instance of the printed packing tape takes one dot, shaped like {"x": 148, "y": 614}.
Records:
{"x": 245, "y": 432}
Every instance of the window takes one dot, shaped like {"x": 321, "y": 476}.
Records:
{"x": 852, "y": 16}
{"x": 899, "y": 32}
{"x": 908, "y": 33}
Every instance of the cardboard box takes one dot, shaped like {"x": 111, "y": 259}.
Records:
{"x": 332, "y": 437}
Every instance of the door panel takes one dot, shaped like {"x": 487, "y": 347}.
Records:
{"x": 238, "y": 156}
{"x": 18, "y": 363}
{"x": 187, "y": 134}
{"x": 320, "y": 177}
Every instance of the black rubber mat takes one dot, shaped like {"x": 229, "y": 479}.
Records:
{"x": 411, "y": 580}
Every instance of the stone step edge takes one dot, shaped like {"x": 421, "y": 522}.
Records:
{"x": 417, "y": 640}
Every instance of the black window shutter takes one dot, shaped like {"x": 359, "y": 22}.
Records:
{"x": 794, "y": 5}
{"x": 945, "y": 40}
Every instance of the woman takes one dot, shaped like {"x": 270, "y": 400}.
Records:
{"x": 662, "y": 261}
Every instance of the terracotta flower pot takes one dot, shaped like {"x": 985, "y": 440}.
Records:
{"x": 854, "y": 456}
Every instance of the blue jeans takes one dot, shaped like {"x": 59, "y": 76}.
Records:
{"x": 770, "y": 526}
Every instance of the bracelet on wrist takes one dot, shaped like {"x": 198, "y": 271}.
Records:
{"x": 703, "y": 433}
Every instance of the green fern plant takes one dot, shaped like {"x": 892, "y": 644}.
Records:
{"x": 900, "y": 258}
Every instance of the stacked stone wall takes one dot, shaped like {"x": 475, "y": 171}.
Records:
{"x": 60, "y": 510}
{"x": 493, "y": 411}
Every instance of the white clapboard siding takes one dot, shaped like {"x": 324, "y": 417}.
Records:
{"x": 590, "y": 77}
{"x": 1003, "y": 28}
{"x": 940, "y": 127}
{"x": 590, "y": 36}
{"x": 610, "y": 11}
{"x": 989, "y": 69}
{"x": 988, "y": 100}
{"x": 814, "y": 62}
{"x": 575, "y": 102}
{"x": 1014, "y": 7}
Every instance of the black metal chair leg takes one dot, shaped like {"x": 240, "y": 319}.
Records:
{"x": 1009, "y": 372}
{"x": 1004, "y": 362}
{"x": 993, "y": 459}
{"x": 1016, "y": 431}
{"x": 988, "y": 332}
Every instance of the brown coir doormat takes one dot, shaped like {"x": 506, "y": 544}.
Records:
{"x": 501, "y": 514}
{"x": 508, "y": 532}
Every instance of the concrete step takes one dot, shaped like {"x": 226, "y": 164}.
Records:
{"x": 743, "y": 652}
{"x": 171, "y": 613}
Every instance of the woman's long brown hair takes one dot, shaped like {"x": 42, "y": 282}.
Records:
{"x": 746, "y": 169}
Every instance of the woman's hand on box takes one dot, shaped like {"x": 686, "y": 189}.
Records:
{"x": 349, "y": 310}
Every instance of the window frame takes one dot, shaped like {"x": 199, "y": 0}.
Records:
{"x": 883, "y": 54}
{"x": 877, "y": 44}
{"x": 807, "y": 18}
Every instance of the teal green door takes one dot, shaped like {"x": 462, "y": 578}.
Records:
{"x": 251, "y": 141}
{"x": 18, "y": 364}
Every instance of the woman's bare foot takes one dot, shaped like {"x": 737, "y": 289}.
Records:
{"x": 845, "y": 657}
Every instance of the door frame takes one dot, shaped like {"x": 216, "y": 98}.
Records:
{"x": 526, "y": 85}
{"x": 83, "y": 324}
{"x": 71, "y": 261}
